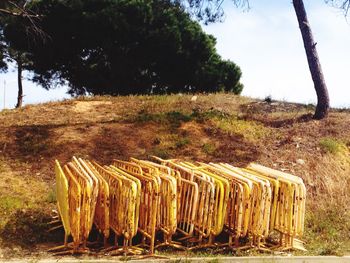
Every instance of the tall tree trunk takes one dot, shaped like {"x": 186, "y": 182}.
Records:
{"x": 20, "y": 87}
{"x": 322, "y": 107}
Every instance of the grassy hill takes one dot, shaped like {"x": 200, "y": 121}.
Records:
{"x": 217, "y": 127}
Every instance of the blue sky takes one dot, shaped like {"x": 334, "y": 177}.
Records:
{"x": 266, "y": 43}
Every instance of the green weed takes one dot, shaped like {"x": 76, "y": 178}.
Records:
{"x": 331, "y": 145}
{"x": 160, "y": 152}
{"x": 27, "y": 227}
{"x": 182, "y": 142}
{"x": 172, "y": 118}
{"x": 310, "y": 106}
{"x": 250, "y": 130}
{"x": 327, "y": 230}
{"x": 51, "y": 196}
{"x": 208, "y": 148}
{"x": 232, "y": 124}
{"x": 10, "y": 203}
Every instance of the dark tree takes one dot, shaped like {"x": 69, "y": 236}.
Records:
{"x": 122, "y": 47}
{"x": 322, "y": 107}
{"x": 15, "y": 11}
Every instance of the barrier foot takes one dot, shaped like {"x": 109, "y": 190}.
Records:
{"x": 172, "y": 245}
{"x": 65, "y": 245}
{"x": 58, "y": 248}
{"x": 54, "y": 222}
{"x": 54, "y": 228}
{"x": 109, "y": 249}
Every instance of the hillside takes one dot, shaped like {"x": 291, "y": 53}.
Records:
{"x": 217, "y": 127}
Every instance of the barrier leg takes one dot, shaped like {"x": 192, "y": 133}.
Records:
{"x": 168, "y": 242}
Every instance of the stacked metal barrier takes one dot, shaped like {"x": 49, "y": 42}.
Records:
{"x": 184, "y": 205}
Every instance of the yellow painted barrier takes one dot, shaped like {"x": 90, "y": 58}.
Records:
{"x": 203, "y": 222}
{"x": 290, "y": 208}
{"x": 186, "y": 205}
{"x": 101, "y": 218}
{"x": 62, "y": 192}
{"x": 124, "y": 202}
{"x": 167, "y": 208}
{"x": 149, "y": 200}
{"x": 221, "y": 188}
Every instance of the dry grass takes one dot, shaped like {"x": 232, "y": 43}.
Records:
{"x": 215, "y": 127}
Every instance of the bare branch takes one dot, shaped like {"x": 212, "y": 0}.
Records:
{"x": 8, "y": 12}
{"x": 341, "y": 4}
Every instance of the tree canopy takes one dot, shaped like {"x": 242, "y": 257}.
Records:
{"x": 121, "y": 47}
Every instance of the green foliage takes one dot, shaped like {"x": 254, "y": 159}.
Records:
{"x": 122, "y": 47}
{"x": 331, "y": 145}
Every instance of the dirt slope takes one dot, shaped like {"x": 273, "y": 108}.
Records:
{"x": 220, "y": 127}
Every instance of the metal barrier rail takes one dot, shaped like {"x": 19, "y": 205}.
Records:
{"x": 203, "y": 222}
{"x": 75, "y": 195}
{"x": 62, "y": 193}
{"x": 261, "y": 211}
{"x": 290, "y": 211}
{"x": 86, "y": 213}
{"x": 101, "y": 218}
{"x": 167, "y": 208}
{"x": 221, "y": 189}
{"x": 124, "y": 203}
{"x": 148, "y": 203}
{"x": 189, "y": 203}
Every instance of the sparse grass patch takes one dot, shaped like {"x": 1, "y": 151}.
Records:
{"x": 327, "y": 230}
{"x": 232, "y": 124}
{"x": 172, "y": 118}
{"x": 27, "y": 227}
{"x": 3, "y": 167}
{"x": 250, "y": 130}
{"x": 32, "y": 140}
{"x": 331, "y": 145}
{"x": 51, "y": 196}
{"x": 208, "y": 148}
{"x": 10, "y": 203}
{"x": 182, "y": 142}
{"x": 160, "y": 152}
